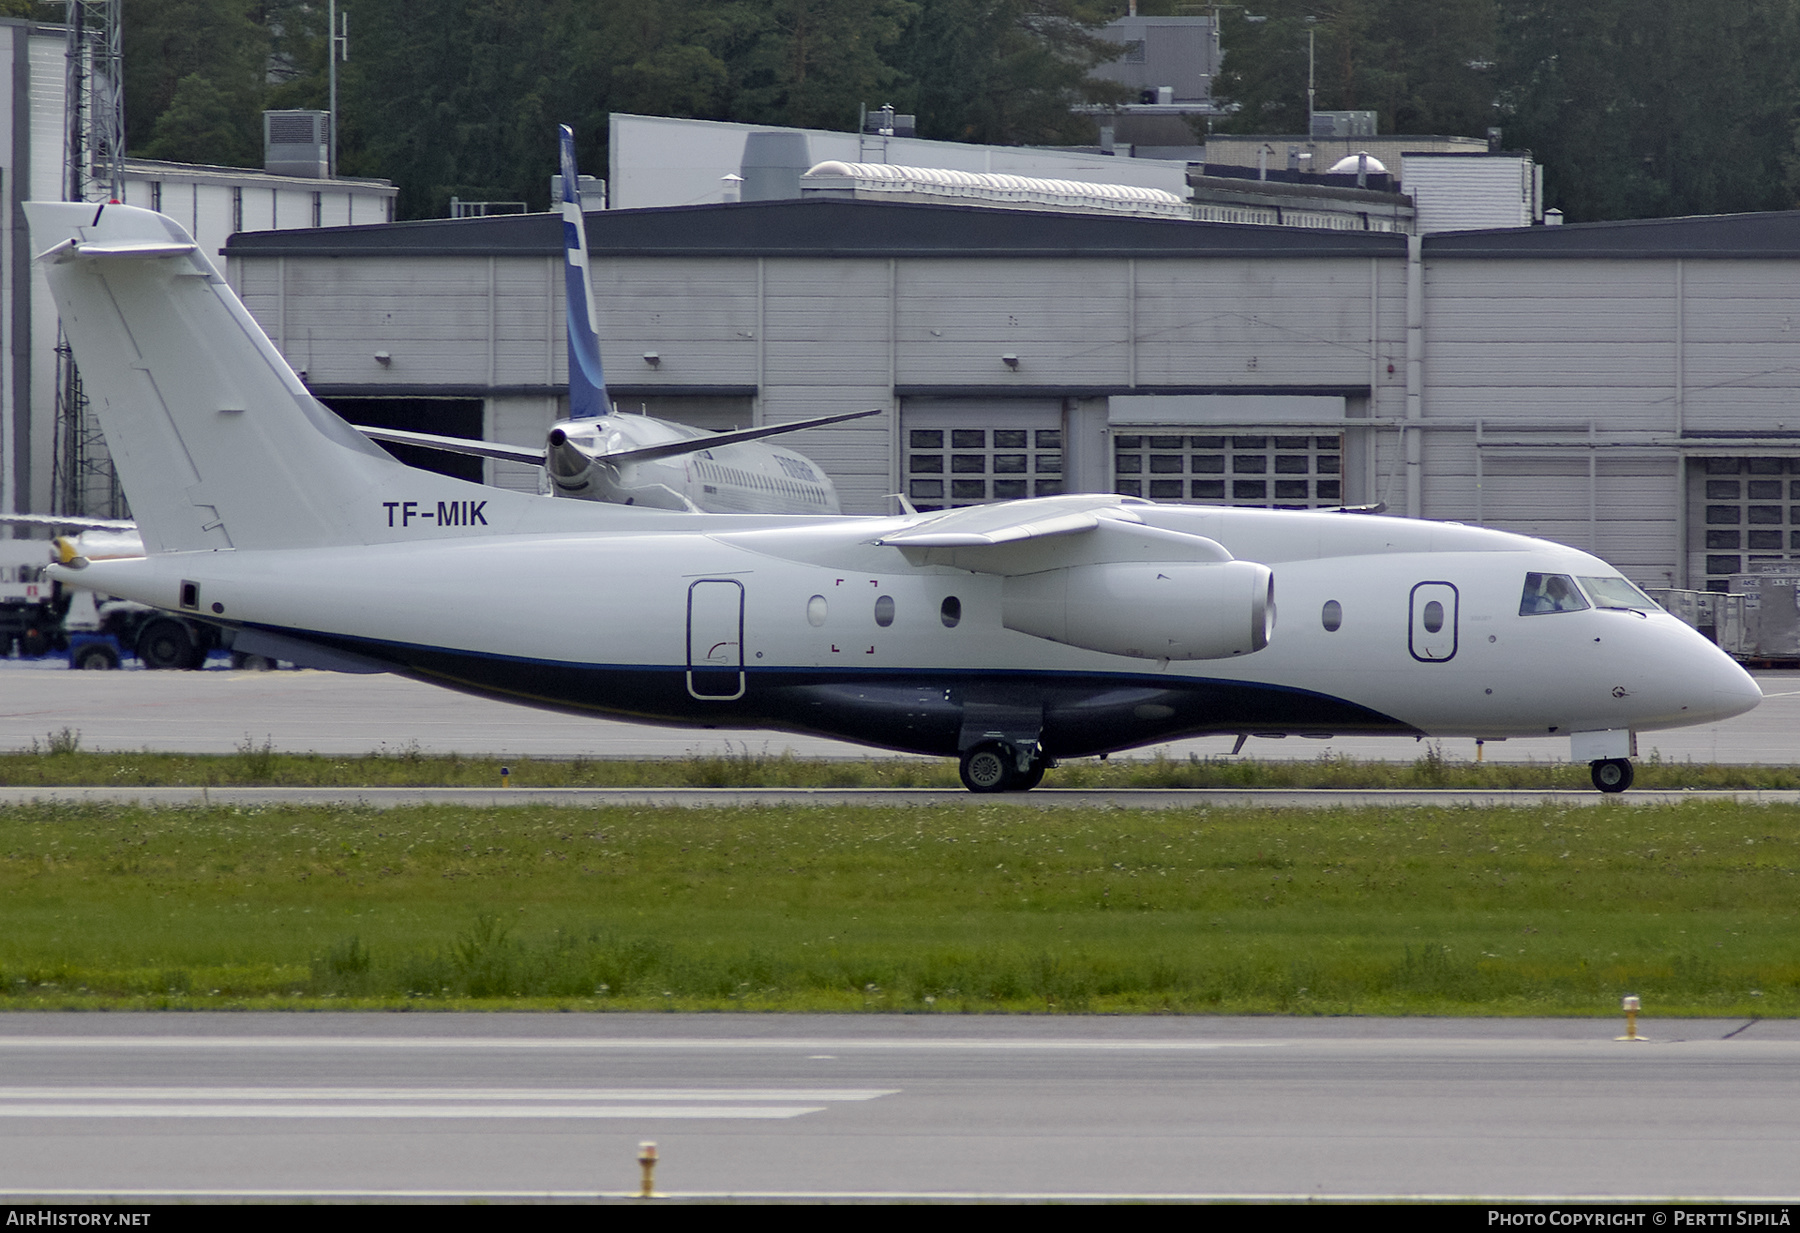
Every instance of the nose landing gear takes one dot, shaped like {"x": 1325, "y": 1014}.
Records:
{"x": 1611, "y": 774}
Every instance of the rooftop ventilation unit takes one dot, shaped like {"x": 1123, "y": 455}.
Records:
{"x": 593, "y": 192}
{"x": 297, "y": 143}
{"x": 1343, "y": 124}
{"x": 774, "y": 161}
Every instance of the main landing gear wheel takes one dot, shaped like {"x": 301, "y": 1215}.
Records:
{"x": 988, "y": 768}
{"x": 1611, "y": 774}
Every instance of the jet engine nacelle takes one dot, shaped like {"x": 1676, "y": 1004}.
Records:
{"x": 1209, "y": 610}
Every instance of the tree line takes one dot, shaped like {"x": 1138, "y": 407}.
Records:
{"x": 1636, "y": 108}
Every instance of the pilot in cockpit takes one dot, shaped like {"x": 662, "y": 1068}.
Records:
{"x": 1550, "y": 593}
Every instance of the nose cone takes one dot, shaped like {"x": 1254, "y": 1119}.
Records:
{"x": 1712, "y": 684}
{"x": 1676, "y": 677}
{"x": 1734, "y": 690}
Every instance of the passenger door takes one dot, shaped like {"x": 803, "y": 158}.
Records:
{"x": 715, "y": 668}
{"x": 1433, "y": 636}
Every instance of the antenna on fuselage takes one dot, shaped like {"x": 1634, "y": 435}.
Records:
{"x": 587, "y": 379}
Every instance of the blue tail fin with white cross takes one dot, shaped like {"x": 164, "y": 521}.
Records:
{"x": 587, "y": 379}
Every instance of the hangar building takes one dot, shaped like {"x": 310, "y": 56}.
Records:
{"x": 1632, "y": 388}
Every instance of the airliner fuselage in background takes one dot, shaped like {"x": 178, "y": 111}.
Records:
{"x": 1007, "y": 635}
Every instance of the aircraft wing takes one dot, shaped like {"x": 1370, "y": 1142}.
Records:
{"x": 980, "y": 526}
{"x": 714, "y": 440}
{"x": 73, "y": 523}
{"x": 456, "y": 445}
{"x": 1026, "y": 537}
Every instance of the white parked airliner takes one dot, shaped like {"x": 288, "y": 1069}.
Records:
{"x": 598, "y": 454}
{"x": 1007, "y": 635}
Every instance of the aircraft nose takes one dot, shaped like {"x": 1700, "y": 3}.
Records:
{"x": 1686, "y": 679}
{"x": 1734, "y": 690}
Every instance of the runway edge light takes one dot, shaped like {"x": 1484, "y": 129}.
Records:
{"x": 647, "y": 1158}
{"x": 1631, "y": 1006}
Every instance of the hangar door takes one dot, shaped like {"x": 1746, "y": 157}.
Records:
{"x": 446, "y": 417}
{"x": 1255, "y": 450}
{"x": 959, "y": 452}
{"x": 1743, "y": 517}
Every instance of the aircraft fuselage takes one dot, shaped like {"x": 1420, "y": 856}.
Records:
{"x": 818, "y": 628}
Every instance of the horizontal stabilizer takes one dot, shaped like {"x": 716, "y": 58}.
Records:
{"x": 127, "y": 250}
{"x": 717, "y": 440}
{"x": 456, "y": 445}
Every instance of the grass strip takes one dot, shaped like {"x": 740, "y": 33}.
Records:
{"x": 977, "y": 906}
{"x": 60, "y": 762}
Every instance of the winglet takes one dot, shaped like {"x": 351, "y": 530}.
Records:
{"x": 587, "y": 381}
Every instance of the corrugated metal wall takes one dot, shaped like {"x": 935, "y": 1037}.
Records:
{"x": 1552, "y": 395}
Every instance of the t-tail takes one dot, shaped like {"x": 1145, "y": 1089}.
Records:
{"x": 218, "y": 443}
{"x": 587, "y": 380}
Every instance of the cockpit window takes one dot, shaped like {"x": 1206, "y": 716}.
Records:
{"x": 1551, "y": 593}
{"x": 1617, "y": 593}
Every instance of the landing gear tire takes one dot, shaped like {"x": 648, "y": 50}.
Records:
{"x": 241, "y": 662}
{"x": 989, "y": 768}
{"x": 96, "y": 658}
{"x": 1030, "y": 779}
{"x": 165, "y": 644}
{"x": 1611, "y": 774}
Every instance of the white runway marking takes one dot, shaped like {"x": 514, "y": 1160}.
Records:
{"x": 754, "y": 1104}
{"x": 294, "y": 1112}
{"x": 915, "y": 1196}
{"x": 515, "y": 1094}
{"x": 649, "y": 1043}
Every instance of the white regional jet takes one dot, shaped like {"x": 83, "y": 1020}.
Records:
{"x": 599, "y": 455}
{"x": 1008, "y": 635}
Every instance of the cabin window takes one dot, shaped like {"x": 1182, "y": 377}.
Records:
{"x": 1332, "y": 616}
{"x": 1550, "y": 593}
{"x": 884, "y": 611}
{"x": 1432, "y": 617}
{"x": 951, "y": 612}
{"x": 816, "y": 609}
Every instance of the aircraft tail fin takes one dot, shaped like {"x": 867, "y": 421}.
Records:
{"x": 587, "y": 379}
{"x": 218, "y": 443}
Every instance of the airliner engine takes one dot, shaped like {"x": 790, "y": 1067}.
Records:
{"x": 1175, "y": 610}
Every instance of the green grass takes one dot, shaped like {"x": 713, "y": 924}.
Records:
{"x": 978, "y": 905}
{"x": 59, "y": 761}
